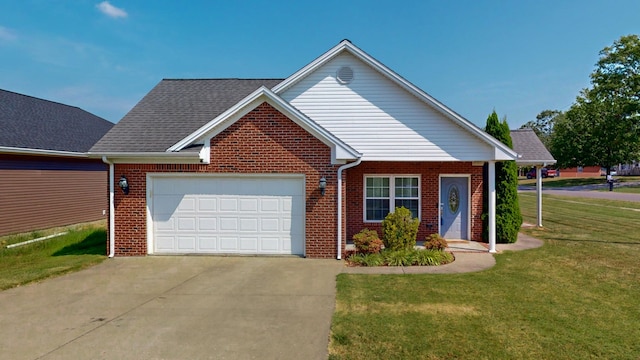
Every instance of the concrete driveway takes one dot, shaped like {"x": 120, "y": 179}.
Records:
{"x": 186, "y": 307}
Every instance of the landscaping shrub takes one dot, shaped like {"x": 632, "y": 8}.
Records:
{"x": 435, "y": 242}
{"x": 367, "y": 241}
{"x": 508, "y": 216}
{"x": 372, "y": 260}
{"x": 433, "y": 257}
{"x": 402, "y": 257}
{"x": 400, "y": 230}
{"x": 356, "y": 259}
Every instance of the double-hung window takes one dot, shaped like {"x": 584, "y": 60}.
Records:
{"x": 385, "y": 193}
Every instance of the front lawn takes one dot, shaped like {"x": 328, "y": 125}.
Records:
{"x": 574, "y": 298}
{"x": 81, "y": 247}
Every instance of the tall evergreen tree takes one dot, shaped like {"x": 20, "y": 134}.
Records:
{"x": 508, "y": 216}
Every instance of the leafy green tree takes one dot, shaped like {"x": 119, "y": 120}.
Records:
{"x": 508, "y": 216}
{"x": 543, "y": 125}
{"x": 603, "y": 126}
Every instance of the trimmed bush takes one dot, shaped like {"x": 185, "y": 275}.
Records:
{"x": 435, "y": 242}
{"x": 508, "y": 216}
{"x": 367, "y": 242}
{"x": 400, "y": 230}
{"x": 402, "y": 257}
{"x": 372, "y": 260}
{"x": 433, "y": 257}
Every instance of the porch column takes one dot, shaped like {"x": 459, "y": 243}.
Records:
{"x": 539, "y": 193}
{"x": 492, "y": 206}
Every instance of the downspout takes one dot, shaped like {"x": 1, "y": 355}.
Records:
{"x": 340, "y": 169}
{"x": 112, "y": 216}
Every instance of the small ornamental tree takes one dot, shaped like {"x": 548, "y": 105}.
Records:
{"x": 400, "y": 230}
{"x": 508, "y": 216}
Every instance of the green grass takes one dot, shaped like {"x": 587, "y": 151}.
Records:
{"x": 81, "y": 247}
{"x": 574, "y": 298}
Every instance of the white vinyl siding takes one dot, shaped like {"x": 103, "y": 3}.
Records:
{"x": 384, "y": 193}
{"x": 380, "y": 119}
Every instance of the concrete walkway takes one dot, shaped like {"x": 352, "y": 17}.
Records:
{"x": 469, "y": 257}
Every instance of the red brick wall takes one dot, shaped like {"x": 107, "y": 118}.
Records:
{"x": 429, "y": 174}
{"x": 263, "y": 141}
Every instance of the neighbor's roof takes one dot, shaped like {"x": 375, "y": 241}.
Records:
{"x": 530, "y": 149}
{"x": 27, "y": 122}
{"x": 174, "y": 109}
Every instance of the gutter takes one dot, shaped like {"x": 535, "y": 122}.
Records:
{"x": 27, "y": 151}
{"x": 340, "y": 169}
{"x": 112, "y": 215}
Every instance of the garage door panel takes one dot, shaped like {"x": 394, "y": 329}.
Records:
{"x": 165, "y": 225}
{"x": 229, "y": 204}
{"x": 270, "y": 244}
{"x": 165, "y": 204}
{"x": 248, "y": 244}
{"x": 207, "y": 224}
{"x": 186, "y": 243}
{"x": 165, "y": 243}
{"x": 249, "y": 225}
{"x": 229, "y": 243}
{"x": 208, "y": 243}
{"x": 228, "y": 224}
{"x": 207, "y": 204}
{"x": 228, "y": 215}
{"x": 269, "y": 224}
{"x": 186, "y": 224}
{"x": 249, "y": 205}
{"x": 269, "y": 205}
{"x": 187, "y": 204}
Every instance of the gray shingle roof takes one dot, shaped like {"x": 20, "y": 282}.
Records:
{"x": 32, "y": 123}
{"x": 532, "y": 151}
{"x": 174, "y": 109}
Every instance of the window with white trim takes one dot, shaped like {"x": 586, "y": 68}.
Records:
{"x": 384, "y": 193}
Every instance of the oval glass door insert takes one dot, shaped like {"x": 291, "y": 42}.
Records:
{"x": 454, "y": 199}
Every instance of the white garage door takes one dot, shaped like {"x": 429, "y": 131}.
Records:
{"x": 246, "y": 215}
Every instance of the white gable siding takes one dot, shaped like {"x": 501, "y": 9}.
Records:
{"x": 380, "y": 119}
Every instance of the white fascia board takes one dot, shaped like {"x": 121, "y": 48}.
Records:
{"x": 27, "y": 151}
{"x": 150, "y": 157}
{"x": 505, "y": 152}
{"x": 339, "y": 150}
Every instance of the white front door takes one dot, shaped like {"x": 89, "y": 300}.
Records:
{"x": 219, "y": 214}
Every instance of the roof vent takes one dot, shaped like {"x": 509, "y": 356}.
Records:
{"x": 344, "y": 75}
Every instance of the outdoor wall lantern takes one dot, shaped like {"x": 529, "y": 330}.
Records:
{"x": 124, "y": 184}
{"x": 322, "y": 185}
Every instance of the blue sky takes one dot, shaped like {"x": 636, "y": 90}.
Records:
{"x": 517, "y": 57}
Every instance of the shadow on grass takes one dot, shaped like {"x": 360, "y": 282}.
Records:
{"x": 93, "y": 244}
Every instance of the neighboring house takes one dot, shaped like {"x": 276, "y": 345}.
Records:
{"x": 582, "y": 171}
{"x": 46, "y": 177}
{"x": 293, "y": 166}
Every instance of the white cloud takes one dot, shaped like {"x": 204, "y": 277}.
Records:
{"x": 7, "y": 34}
{"x": 106, "y": 8}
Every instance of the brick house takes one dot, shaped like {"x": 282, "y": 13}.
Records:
{"x": 46, "y": 178}
{"x": 292, "y": 166}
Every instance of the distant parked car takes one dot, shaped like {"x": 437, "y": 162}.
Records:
{"x": 532, "y": 173}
